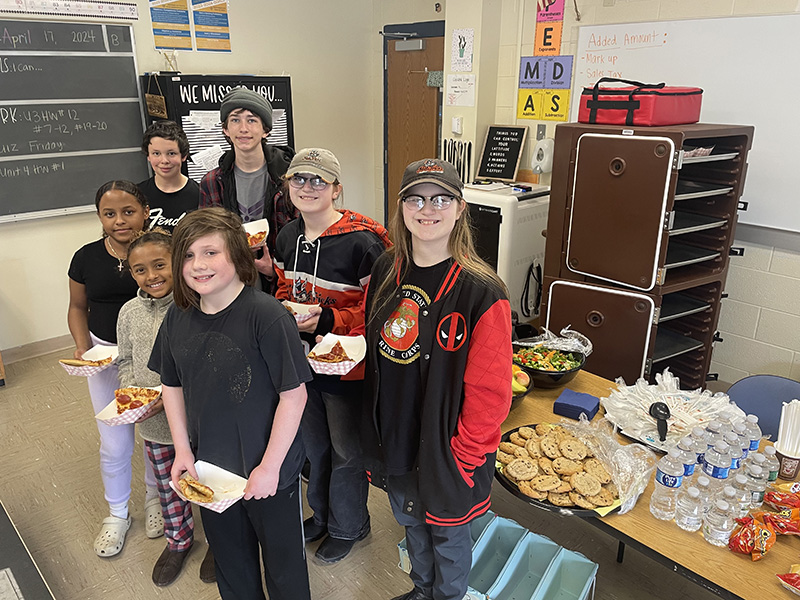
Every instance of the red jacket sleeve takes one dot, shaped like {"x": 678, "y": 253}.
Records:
{"x": 487, "y": 390}
{"x": 282, "y": 293}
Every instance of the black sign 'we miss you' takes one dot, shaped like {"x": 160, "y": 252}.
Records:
{"x": 502, "y": 150}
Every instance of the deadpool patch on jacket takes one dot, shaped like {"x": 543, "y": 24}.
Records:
{"x": 451, "y": 333}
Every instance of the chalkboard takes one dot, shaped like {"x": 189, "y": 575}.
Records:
{"x": 743, "y": 82}
{"x": 502, "y": 150}
{"x": 70, "y": 115}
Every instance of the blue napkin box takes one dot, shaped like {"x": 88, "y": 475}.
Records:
{"x": 571, "y": 404}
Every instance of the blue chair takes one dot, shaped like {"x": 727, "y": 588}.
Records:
{"x": 763, "y": 396}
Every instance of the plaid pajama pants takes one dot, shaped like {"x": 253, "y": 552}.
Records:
{"x": 178, "y": 522}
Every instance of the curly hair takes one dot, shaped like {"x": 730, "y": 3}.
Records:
{"x": 168, "y": 130}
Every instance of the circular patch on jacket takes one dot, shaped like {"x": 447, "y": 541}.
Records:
{"x": 451, "y": 332}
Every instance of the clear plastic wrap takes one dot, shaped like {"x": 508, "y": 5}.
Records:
{"x": 630, "y": 465}
{"x": 569, "y": 341}
{"x": 628, "y": 407}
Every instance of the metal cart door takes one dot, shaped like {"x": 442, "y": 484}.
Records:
{"x": 618, "y": 323}
{"x": 619, "y": 201}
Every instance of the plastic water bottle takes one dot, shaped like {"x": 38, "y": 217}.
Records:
{"x": 699, "y": 444}
{"x": 756, "y": 458}
{"x": 753, "y": 432}
{"x": 743, "y": 495}
{"x": 718, "y": 524}
{"x": 736, "y": 452}
{"x": 725, "y": 425}
{"x": 728, "y": 493}
{"x": 669, "y": 476}
{"x": 687, "y": 457}
{"x": 689, "y": 510}
{"x": 771, "y": 463}
{"x": 713, "y": 433}
{"x": 757, "y": 484}
{"x": 717, "y": 464}
{"x": 703, "y": 484}
{"x": 740, "y": 429}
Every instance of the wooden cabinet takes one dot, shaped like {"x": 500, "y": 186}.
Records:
{"x": 638, "y": 238}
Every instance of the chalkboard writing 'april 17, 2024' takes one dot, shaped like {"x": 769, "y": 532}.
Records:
{"x": 501, "y": 152}
{"x": 70, "y": 115}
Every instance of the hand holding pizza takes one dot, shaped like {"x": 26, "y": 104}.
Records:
{"x": 184, "y": 461}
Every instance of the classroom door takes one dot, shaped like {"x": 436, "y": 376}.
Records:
{"x": 413, "y": 111}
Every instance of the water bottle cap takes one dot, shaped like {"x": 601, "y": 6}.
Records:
{"x": 722, "y": 505}
{"x": 759, "y": 458}
{"x": 756, "y": 470}
{"x": 728, "y": 491}
{"x": 693, "y": 492}
{"x": 740, "y": 428}
{"x": 752, "y": 419}
{"x": 740, "y": 479}
{"x": 731, "y": 438}
{"x": 703, "y": 480}
{"x": 770, "y": 450}
{"x": 721, "y": 447}
{"x": 713, "y": 426}
{"x": 674, "y": 452}
{"x": 698, "y": 432}
{"x": 685, "y": 443}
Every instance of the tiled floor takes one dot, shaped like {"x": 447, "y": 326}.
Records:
{"x": 50, "y": 485}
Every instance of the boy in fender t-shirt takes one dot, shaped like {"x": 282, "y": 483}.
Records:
{"x": 170, "y": 193}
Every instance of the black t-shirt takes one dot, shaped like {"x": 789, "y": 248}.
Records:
{"x": 232, "y": 365}
{"x": 107, "y": 288}
{"x": 401, "y": 395}
{"x": 167, "y": 208}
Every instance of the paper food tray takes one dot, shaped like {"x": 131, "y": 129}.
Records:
{"x": 96, "y": 353}
{"x": 354, "y": 346}
{"x": 109, "y": 414}
{"x": 301, "y": 311}
{"x": 253, "y": 227}
{"x": 228, "y": 487}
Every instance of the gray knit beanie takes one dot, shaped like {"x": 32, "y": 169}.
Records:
{"x": 241, "y": 97}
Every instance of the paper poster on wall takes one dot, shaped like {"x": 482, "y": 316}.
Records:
{"x": 170, "y": 22}
{"x": 461, "y": 51}
{"x": 555, "y": 105}
{"x": 529, "y": 104}
{"x": 460, "y": 90}
{"x": 550, "y": 10}
{"x": 545, "y": 72}
{"x": 548, "y": 39}
{"x": 211, "y": 29}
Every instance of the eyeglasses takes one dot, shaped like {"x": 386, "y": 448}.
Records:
{"x": 438, "y": 202}
{"x": 317, "y": 183}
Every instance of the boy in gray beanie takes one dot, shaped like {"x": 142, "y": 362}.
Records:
{"x": 248, "y": 178}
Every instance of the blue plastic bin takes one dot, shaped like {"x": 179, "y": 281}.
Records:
{"x": 492, "y": 551}
{"x": 478, "y": 526}
{"x": 525, "y": 570}
{"x": 570, "y": 577}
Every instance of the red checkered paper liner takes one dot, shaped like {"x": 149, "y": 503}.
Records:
{"x": 228, "y": 487}
{"x": 109, "y": 414}
{"x": 96, "y": 353}
{"x": 354, "y": 346}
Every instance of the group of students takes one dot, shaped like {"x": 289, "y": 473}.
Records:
{"x": 198, "y": 312}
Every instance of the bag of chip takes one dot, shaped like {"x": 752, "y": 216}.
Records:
{"x": 787, "y": 488}
{"x": 783, "y": 524}
{"x": 763, "y": 538}
{"x": 779, "y": 500}
{"x": 791, "y": 580}
{"x": 741, "y": 539}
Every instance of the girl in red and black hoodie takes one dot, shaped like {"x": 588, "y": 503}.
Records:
{"x": 324, "y": 259}
{"x": 438, "y": 378}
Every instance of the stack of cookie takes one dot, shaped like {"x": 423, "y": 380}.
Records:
{"x": 548, "y": 463}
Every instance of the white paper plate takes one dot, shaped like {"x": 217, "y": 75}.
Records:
{"x": 253, "y": 227}
{"x": 109, "y": 414}
{"x": 228, "y": 487}
{"x": 301, "y": 311}
{"x": 354, "y": 346}
{"x": 95, "y": 353}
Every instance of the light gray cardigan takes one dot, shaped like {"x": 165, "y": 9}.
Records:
{"x": 137, "y": 327}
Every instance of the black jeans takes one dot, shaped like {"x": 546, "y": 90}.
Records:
{"x": 275, "y": 524}
{"x": 337, "y": 486}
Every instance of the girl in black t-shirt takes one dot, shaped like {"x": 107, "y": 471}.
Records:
{"x": 99, "y": 284}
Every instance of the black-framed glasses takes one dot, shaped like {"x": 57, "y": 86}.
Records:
{"x": 438, "y": 202}
{"x": 317, "y": 183}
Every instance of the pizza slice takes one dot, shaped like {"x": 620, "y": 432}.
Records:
{"x": 337, "y": 354}
{"x": 134, "y": 397}
{"x": 79, "y": 362}
{"x": 194, "y": 490}
{"x": 257, "y": 238}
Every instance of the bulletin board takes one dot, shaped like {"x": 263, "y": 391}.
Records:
{"x": 745, "y": 66}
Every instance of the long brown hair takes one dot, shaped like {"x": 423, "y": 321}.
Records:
{"x": 461, "y": 246}
{"x": 200, "y": 223}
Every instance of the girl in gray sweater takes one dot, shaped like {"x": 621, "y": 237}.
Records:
{"x": 150, "y": 262}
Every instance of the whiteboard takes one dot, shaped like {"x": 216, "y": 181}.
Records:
{"x": 747, "y": 69}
